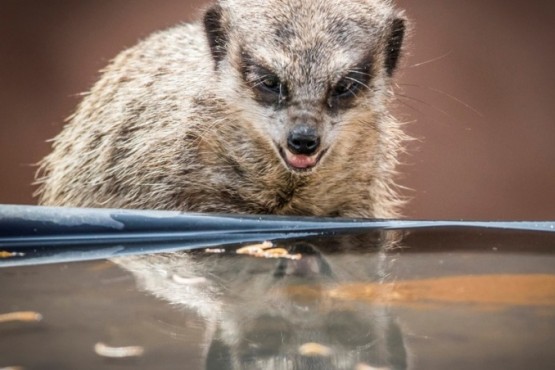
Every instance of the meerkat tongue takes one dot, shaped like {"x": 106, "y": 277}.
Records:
{"x": 299, "y": 160}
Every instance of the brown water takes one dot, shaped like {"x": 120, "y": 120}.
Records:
{"x": 449, "y": 299}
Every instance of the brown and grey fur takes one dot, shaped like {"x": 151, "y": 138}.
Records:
{"x": 177, "y": 122}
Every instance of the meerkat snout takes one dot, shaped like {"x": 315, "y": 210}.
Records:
{"x": 303, "y": 143}
{"x": 303, "y": 140}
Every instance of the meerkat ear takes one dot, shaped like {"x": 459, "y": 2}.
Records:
{"x": 215, "y": 31}
{"x": 394, "y": 44}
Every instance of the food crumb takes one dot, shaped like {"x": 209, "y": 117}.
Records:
{"x": 189, "y": 281}
{"x": 266, "y": 250}
{"x": 254, "y": 248}
{"x": 363, "y": 366}
{"x": 312, "y": 349}
{"x": 26, "y": 316}
{"x": 214, "y": 250}
{"x": 6, "y": 254}
{"x": 103, "y": 350}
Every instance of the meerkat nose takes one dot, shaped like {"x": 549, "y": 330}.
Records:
{"x": 303, "y": 140}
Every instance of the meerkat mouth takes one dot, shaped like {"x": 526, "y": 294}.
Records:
{"x": 300, "y": 162}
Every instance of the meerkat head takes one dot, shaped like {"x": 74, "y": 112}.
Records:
{"x": 304, "y": 72}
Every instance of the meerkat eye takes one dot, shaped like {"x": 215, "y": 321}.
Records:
{"x": 342, "y": 94}
{"x": 268, "y": 87}
{"x": 344, "y": 87}
{"x": 351, "y": 83}
{"x": 272, "y": 83}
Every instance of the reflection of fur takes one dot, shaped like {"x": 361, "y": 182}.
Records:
{"x": 199, "y": 118}
{"x": 260, "y": 322}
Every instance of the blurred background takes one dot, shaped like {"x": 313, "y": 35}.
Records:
{"x": 477, "y": 87}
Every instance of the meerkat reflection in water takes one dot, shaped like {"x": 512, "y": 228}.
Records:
{"x": 276, "y": 106}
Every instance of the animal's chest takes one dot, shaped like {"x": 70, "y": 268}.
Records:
{"x": 307, "y": 199}
{"x": 266, "y": 188}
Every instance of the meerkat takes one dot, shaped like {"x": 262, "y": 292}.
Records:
{"x": 264, "y": 107}
{"x": 260, "y": 315}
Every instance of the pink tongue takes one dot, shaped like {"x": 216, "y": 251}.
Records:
{"x": 300, "y": 161}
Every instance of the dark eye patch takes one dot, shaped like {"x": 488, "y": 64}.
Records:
{"x": 349, "y": 85}
{"x": 267, "y": 86}
{"x": 357, "y": 79}
{"x": 265, "y": 81}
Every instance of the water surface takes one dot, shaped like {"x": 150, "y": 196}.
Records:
{"x": 430, "y": 299}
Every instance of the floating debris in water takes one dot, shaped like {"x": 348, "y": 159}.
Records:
{"x": 25, "y": 316}
{"x": 189, "y": 281}
{"x": 280, "y": 253}
{"x": 214, "y": 250}
{"x": 275, "y": 252}
{"x": 312, "y": 349}
{"x": 363, "y": 366}
{"x": 266, "y": 250}
{"x": 12, "y": 368}
{"x": 103, "y": 350}
{"x": 254, "y": 248}
{"x": 6, "y": 254}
